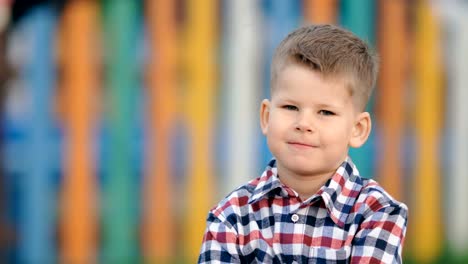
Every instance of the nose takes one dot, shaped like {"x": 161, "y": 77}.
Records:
{"x": 304, "y": 123}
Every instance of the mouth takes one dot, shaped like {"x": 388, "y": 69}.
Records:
{"x": 301, "y": 144}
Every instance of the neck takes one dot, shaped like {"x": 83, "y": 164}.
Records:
{"x": 304, "y": 185}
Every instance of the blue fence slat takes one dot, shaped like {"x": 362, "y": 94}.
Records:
{"x": 37, "y": 214}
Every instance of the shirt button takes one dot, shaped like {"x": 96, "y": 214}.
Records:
{"x": 294, "y": 218}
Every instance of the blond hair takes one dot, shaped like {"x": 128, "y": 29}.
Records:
{"x": 332, "y": 51}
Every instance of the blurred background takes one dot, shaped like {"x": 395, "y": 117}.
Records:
{"x": 124, "y": 121}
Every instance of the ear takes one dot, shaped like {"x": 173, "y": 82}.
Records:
{"x": 361, "y": 130}
{"x": 264, "y": 115}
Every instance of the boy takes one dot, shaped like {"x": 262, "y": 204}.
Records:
{"x": 310, "y": 205}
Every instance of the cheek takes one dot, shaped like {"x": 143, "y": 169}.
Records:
{"x": 275, "y": 130}
{"x": 278, "y": 123}
{"x": 336, "y": 135}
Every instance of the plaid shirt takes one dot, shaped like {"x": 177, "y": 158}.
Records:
{"x": 350, "y": 219}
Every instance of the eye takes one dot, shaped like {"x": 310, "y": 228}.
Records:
{"x": 290, "y": 107}
{"x": 326, "y": 113}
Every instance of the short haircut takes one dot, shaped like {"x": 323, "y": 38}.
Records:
{"x": 335, "y": 53}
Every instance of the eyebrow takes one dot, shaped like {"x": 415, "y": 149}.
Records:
{"x": 328, "y": 106}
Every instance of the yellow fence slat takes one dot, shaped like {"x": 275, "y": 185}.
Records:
{"x": 426, "y": 210}
{"x": 200, "y": 54}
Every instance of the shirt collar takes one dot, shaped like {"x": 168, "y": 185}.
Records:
{"x": 339, "y": 193}
{"x": 268, "y": 182}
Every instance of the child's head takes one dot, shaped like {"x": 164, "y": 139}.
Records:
{"x": 322, "y": 77}
{"x": 334, "y": 53}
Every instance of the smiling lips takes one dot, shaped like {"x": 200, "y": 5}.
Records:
{"x": 301, "y": 144}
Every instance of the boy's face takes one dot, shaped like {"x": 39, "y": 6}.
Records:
{"x": 310, "y": 122}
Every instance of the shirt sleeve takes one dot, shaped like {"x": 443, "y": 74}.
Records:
{"x": 381, "y": 236}
{"x": 219, "y": 242}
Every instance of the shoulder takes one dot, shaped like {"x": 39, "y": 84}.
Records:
{"x": 374, "y": 198}
{"x": 235, "y": 202}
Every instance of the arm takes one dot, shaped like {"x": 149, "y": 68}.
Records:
{"x": 381, "y": 236}
{"x": 219, "y": 242}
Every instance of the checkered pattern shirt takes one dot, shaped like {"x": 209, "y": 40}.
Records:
{"x": 349, "y": 220}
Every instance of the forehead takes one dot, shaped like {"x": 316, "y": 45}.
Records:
{"x": 346, "y": 81}
{"x": 300, "y": 80}
{"x": 288, "y": 65}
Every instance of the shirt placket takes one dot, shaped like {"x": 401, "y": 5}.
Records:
{"x": 298, "y": 218}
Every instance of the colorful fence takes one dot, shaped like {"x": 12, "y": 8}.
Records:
{"x": 123, "y": 122}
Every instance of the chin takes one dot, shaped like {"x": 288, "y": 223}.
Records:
{"x": 311, "y": 166}
{"x": 304, "y": 168}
